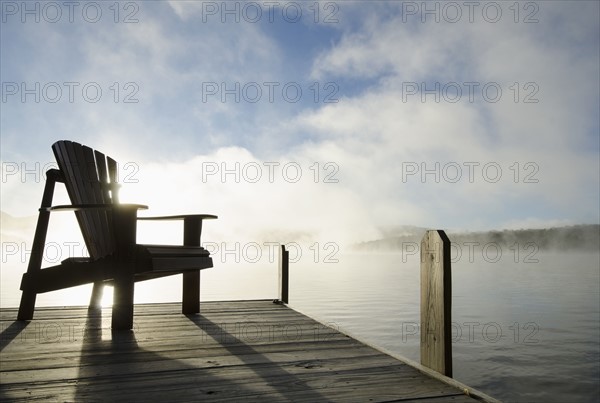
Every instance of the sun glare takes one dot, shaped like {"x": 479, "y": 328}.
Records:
{"x": 107, "y": 297}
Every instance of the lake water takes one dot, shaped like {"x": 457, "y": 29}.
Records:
{"x": 523, "y": 329}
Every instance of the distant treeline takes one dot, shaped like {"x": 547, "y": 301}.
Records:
{"x": 577, "y": 237}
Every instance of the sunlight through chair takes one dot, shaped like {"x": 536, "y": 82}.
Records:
{"x": 109, "y": 232}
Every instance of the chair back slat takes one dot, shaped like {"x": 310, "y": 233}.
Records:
{"x": 87, "y": 176}
{"x": 103, "y": 175}
{"x": 102, "y": 217}
{"x": 112, "y": 174}
{"x": 65, "y": 157}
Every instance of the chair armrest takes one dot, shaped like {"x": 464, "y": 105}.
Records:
{"x": 79, "y": 207}
{"x": 182, "y": 217}
{"x": 55, "y": 175}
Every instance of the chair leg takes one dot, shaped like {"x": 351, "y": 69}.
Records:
{"x": 191, "y": 293}
{"x": 27, "y": 305}
{"x": 96, "y": 298}
{"x": 122, "y": 309}
{"x": 28, "y": 297}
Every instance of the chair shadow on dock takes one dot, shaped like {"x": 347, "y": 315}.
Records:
{"x": 285, "y": 384}
{"x": 11, "y": 332}
{"x": 212, "y": 364}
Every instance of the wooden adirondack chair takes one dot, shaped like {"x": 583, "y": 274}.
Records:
{"x": 109, "y": 232}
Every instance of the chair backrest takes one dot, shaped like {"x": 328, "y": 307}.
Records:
{"x": 90, "y": 178}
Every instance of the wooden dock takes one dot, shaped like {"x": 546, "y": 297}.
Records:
{"x": 231, "y": 351}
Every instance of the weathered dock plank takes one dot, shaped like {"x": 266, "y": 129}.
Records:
{"x": 244, "y": 350}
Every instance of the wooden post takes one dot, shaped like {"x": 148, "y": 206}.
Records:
{"x": 284, "y": 261}
{"x": 192, "y": 229}
{"x": 436, "y": 297}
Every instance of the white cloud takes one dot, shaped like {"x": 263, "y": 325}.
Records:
{"x": 257, "y": 198}
{"x": 549, "y": 134}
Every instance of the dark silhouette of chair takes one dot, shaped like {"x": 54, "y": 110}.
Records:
{"x": 109, "y": 232}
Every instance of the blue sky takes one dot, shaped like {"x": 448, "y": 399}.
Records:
{"x": 369, "y": 60}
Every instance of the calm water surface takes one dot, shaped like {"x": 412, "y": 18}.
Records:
{"x": 523, "y": 331}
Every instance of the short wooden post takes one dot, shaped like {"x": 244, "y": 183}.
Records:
{"x": 436, "y": 297}
{"x": 190, "y": 304}
{"x": 284, "y": 262}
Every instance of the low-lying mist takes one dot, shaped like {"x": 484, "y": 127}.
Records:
{"x": 576, "y": 238}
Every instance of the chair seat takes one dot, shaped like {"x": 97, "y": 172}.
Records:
{"x": 152, "y": 261}
{"x": 168, "y": 258}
